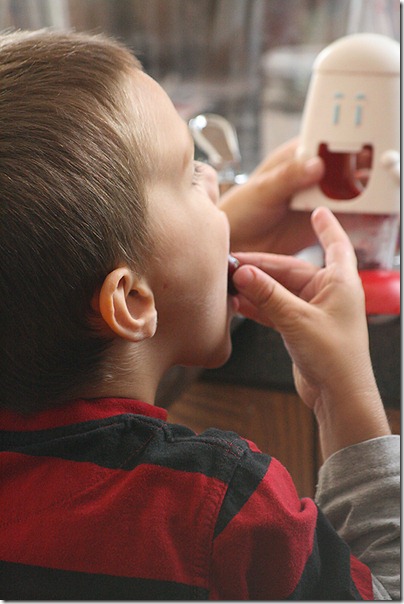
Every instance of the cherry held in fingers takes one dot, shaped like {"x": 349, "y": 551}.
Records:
{"x": 233, "y": 265}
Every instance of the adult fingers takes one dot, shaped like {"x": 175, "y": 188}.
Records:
{"x": 287, "y": 178}
{"x": 333, "y": 239}
{"x": 266, "y": 300}
{"x": 293, "y": 273}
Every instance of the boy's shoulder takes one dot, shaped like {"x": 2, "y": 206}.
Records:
{"x": 124, "y": 434}
{"x": 217, "y": 452}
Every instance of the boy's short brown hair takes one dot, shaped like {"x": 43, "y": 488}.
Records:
{"x": 72, "y": 204}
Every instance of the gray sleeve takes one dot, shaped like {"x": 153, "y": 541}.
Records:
{"x": 359, "y": 492}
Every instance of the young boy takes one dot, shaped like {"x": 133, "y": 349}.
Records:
{"x": 114, "y": 259}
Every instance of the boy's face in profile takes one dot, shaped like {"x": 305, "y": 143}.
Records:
{"x": 188, "y": 273}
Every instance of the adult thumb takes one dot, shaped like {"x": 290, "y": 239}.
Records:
{"x": 291, "y": 176}
{"x": 265, "y": 300}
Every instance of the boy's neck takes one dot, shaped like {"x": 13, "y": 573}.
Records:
{"x": 129, "y": 372}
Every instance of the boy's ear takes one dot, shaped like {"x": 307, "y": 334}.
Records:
{"x": 126, "y": 303}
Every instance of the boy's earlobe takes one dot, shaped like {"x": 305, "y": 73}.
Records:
{"x": 126, "y": 304}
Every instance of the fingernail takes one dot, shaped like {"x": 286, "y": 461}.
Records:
{"x": 243, "y": 277}
{"x": 313, "y": 166}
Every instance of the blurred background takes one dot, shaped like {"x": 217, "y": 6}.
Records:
{"x": 248, "y": 60}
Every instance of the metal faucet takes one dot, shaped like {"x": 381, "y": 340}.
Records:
{"x": 216, "y": 143}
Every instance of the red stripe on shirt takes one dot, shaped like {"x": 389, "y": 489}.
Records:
{"x": 362, "y": 578}
{"x": 76, "y": 412}
{"x": 52, "y": 521}
{"x": 272, "y": 553}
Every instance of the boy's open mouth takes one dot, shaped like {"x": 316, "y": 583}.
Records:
{"x": 347, "y": 172}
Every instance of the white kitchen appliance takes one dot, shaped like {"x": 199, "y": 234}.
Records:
{"x": 352, "y": 120}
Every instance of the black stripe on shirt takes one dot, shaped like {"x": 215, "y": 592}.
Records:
{"x": 25, "y": 582}
{"x": 126, "y": 441}
{"x": 327, "y": 574}
{"x": 247, "y": 475}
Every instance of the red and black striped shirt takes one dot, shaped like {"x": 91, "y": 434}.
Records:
{"x": 104, "y": 499}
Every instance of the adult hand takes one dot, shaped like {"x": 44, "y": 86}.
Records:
{"x": 320, "y": 313}
{"x": 258, "y": 211}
